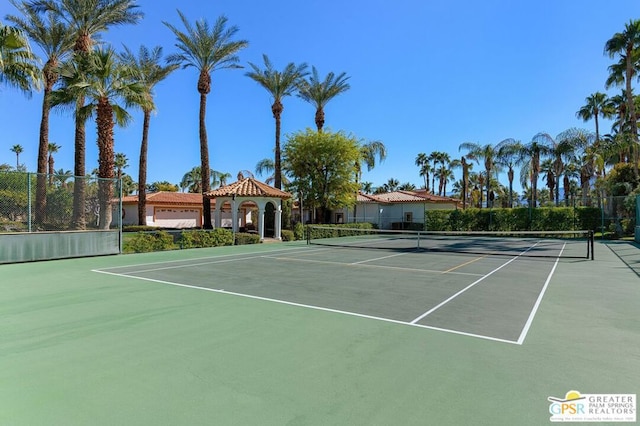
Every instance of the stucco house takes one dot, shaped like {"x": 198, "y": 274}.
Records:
{"x": 394, "y": 210}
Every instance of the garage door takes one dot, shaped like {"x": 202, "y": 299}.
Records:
{"x": 177, "y": 217}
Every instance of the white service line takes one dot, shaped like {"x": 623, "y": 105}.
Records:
{"x": 527, "y": 325}
{"x": 441, "y": 304}
{"x": 318, "y": 308}
{"x": 377, "y": 258}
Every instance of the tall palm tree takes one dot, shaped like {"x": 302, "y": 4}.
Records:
{"x": 279, "y": 84}
{"x": 532, "y": 154}
{"x": 488, "y": 154}
{"x": 319, "y": 92}
{"x": 508, "y": 153}
{"x": 56, "y": 41}
{"x": 17, "y": 149}
{"x": 206, "y": 49}
{"x": 18, "y": 64}
{"x": 86, "y": 19}
{"x": 147, "y": 71}
{"x": 422, "y": 161}
{"x": 219, "y": 178}
{"x": 105, "y": 84}
{"x": 596, "y": 105}
{"x": 52, "y": 148}
{"x": 626, "y": 45}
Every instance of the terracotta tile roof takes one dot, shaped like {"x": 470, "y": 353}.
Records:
{"x": 419, "y": 196}
{"x": 248, "y": 187}
{"x": 162, "y": 197}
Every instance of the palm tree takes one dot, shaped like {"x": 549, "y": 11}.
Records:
{"x": 532, "y": 153}
{"x": 120, "y": 161}
{"x": 488, "y": 154}
{"x": 508, "y": 153}
{"x": 18, "y": 65}
{"x": 319, "y": 93}
{"x": 366, "y": 187}
{"x": 206, "y": 49}
{"x": 52, "y": 148}
{"x": 86, "y": 19}
{"x": 279, "y": 84}
{"x": 368, "y": 153}
{"x": 56, "y": 42}
{"x": 219, "y": 178}
{"x": 61, "y": 177}
{"x": 17, "y": 149}
{"x": 192, "y": 180}
{"x": 148, "y": 72}
{"x": 422, "y": 161}
{"x": 104, "y": 83}
{"x": 597, "y": 105}
{"x": 626, "y": 45}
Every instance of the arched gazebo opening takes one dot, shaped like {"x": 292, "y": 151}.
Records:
{"x": 249, "y": 201}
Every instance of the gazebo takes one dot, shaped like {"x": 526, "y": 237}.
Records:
{"x": 249, "y": 190}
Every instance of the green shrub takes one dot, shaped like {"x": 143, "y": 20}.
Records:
{"x": 287, "y": 235}
{"x": 138, "y": 228}
{"x": 331, "y": 231}
{"x": 298, "y": 231}
{"x": 243, "y": 238}
{"x": 209, "y": 238}
{"x": 144, "y": 242}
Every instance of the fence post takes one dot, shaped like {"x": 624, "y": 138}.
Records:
{"x": 29, "y": 201}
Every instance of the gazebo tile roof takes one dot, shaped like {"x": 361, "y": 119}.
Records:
{"x": 248, "y": 187}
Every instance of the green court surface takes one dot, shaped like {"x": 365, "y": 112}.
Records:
{"x": 290, "y": 334}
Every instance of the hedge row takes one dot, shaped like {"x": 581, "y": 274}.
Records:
{"x": 515, "y": 219}
{"x": 332, "y": 231}
{"x": 162, "y": 240}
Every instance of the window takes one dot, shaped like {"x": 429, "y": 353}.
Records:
{"x": 408, "y": 217}
{"x": 339, "y": 217}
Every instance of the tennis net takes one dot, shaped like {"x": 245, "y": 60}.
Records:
{"x": 553, "y": 244}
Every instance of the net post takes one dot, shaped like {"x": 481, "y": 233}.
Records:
{"x": 591, "y": 243}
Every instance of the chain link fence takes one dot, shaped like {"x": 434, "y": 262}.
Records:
{"x": 31, "y": 202}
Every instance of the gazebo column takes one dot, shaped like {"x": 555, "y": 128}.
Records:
{"x": 234, "y": 215}
{"x": 261, "y": 223}
{"x": 278, "y": 222}
{"x": 216, "y": 213}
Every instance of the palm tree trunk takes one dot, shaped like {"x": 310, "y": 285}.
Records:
{"x": 510, "y": 175}
{"x": 277, "y": 109}
{"x": 142, "y": 171}
{"x": 105, "y": 161}
{"x": 632, "y": 109}
{"x": 43, "y": 148}
{"x": 205, "y": 168}
{"x": 78, "y": 220}
{"x": 319, "y": 119}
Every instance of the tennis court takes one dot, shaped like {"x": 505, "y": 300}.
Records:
{"x": 318, "y": 334}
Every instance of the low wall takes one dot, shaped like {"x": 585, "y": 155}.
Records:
{"x": 27, "y": 247}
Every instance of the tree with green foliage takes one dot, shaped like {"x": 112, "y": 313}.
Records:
{"x": 321, "y": 166}
{"x": 18, "y": 64}
{"x": 206, "y": 49}
{"x": 626, "y": 45}
{"x": 103, "y": 81}
{"x": 162, "y": 186}
{"x": 56, "y": 43}
{"x": 319, "y": 92}
{"x": 86, "y": 19}
{"x": 17, "y": 149}
{"x": 279, "y": 84}
{"x": 146, "y": 69}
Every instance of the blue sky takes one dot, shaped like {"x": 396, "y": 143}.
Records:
{"x": 425, "y": 76}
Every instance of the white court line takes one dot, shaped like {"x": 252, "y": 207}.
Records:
{"x": 377, "y": 258}
{"x": 441, "y": 304}
{"x": 302, "y": 305}
{"x": 396, "y": 268}
{"x": 527, "y": 325}
{"x": 291, "y": 249}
